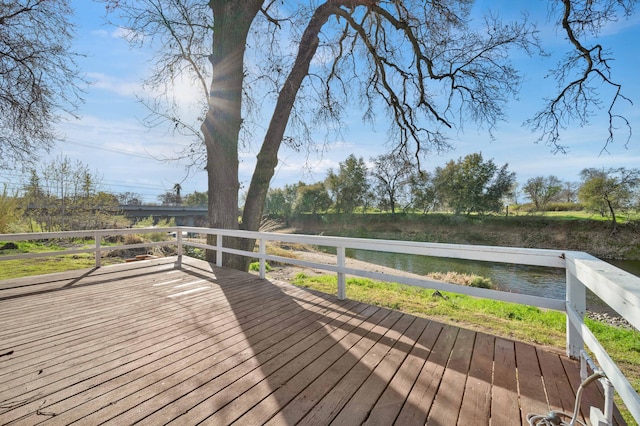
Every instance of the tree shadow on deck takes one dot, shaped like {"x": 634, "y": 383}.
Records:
{"x": 307, "y": 357}
{"x": 218, "y": 346}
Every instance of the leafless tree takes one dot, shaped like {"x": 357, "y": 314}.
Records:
{"x": 391, "y": 174}
{"x": 39, "y": 79}
{"x": 541, "y": 190}
{"x": 584, "y": 72}
{"x": 63, "y": 195}
{"x": 426, "y": 63}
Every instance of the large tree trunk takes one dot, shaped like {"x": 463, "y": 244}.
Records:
{"x": 268, "y": 155}
{"x": 222, "y": 123}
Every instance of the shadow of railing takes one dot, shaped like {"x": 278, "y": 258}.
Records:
{"x": 583, "y": 271}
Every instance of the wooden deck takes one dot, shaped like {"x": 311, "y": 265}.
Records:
{"x": 145, "y": 342}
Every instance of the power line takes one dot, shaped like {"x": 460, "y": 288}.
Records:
{"x": 117, "y": 151}
{"x": 23, "y": 177}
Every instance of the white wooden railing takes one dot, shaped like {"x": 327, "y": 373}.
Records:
{"x": 618, "y": 289}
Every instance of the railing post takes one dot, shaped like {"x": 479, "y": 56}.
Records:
{"x": 98, "y": 254}
{"x": 262, "y": 252}
{"x": 342, "y": 283}
{"x": 180, "y": 252}
{"x": 219, "y": 250}
{"x": 576, "y": 301}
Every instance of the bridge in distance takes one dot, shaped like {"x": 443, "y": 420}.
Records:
{"x": 184, "y": 215}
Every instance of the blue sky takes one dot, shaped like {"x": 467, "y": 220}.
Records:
{"x": 110, "y": 138}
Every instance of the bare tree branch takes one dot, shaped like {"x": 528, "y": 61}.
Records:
{"x": 582, "y": 71}
{"x": 39, "y": 79}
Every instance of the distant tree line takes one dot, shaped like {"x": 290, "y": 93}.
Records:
{"x": 63, "y": 195}
{"x": 175, "y": 198}
{"x": 469, "y": 185}
{"x": 394, "y": 184}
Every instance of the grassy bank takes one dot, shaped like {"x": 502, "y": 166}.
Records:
{"x": 564, "y": 231}
{"x": 19, "y": 268}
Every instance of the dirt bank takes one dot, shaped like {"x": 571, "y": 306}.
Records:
{"x": 288, "y": 272}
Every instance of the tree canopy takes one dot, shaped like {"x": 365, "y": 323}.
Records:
{"x": 39, "y": 79}
{"x": 541, "y": 190}
{"x": 472, "y": 184}
{"x": 349, "y": 184}
{"x": 607, "y": 191}
{"x": 429, "y": 64}
{"x": 390, "y": 174}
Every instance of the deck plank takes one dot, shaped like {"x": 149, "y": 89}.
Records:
{"x": 338, "y": 398}
{"x": 156, "y": 344}
{"x": 446, "y": 407}
{"x": 533, "y": 399}
{"x": 595, "y": 398}
{"x": 476, "y": 404}
{"x": 289, "y": 381}
{"x": 252, "y": 388}
{"x": 316, "y": 390}
{"x": 421, "y": 397}
{"x": 561, "y": 397}
{"x": 364, "y": 399}
{"x": 504, "y": 400}
{"x": 220, "y": 357}
{"x": 390, "y": 403}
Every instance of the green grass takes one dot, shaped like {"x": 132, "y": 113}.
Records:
{"x": 19, "y": 268}
{"x": 30, "y": 247}
{"x": 46, "y": 265}
{"x": 620, "y": 217}
{"x": 255, "y": 267}
{"x": 506, "y": 319}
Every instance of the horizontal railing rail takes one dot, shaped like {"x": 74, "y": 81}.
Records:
{"x": 618, "y": 289}
{"x": 97, "y": 235}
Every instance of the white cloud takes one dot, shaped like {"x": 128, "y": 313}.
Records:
{"x": 621, "y": 25}
{"x": 116, "y": 85}
{"x": 123, "y": 33}
{"x": 100, "y": 33}
{"x": 126, "y": 154}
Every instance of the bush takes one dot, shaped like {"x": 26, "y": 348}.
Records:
{"x": 194, "y": 252}
{"x": 156, "y": 236}
{"x": 481, "y": 282}
{"x": 133, "y": 239}
{"x": 255, "y": 267}
{"x": 10, "y": 211}
{"x": 462, "y": 279}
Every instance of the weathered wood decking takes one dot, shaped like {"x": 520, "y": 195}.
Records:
{"x": 148, "y": 343}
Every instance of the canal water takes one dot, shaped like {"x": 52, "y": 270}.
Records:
{"x": 532, "y": 280}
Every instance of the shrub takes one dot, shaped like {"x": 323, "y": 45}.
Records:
{"x": 481, "y": 282}
{"x": 10, "y": 211}
{"x": 133, "y": 239}
{"x": 194, "y": 252}
{"x": 255, "y": 267}
{"x": 162, "y": 223}
{"x": 462, "y": 279}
